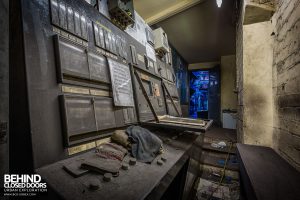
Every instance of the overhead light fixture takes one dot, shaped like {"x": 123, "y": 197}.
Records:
{"x": 219, "y": 3}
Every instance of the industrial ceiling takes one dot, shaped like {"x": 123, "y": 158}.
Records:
{"x": 199, "y": 30}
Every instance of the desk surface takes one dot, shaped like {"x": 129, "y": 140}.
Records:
{"x": 135, "y": 183}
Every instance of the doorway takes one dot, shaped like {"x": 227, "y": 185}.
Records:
{"x": 199, "y": 83}
{"x": 205, "y": 94}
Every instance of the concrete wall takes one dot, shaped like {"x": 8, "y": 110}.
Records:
{"x": 239, "y": 71}
{"x": 228, "y": 80}
{"x": 268, "y": 81}
{"x": 257, "y": 84}
{"x": 4, "y": 66}
{"x": 286, "y": 80}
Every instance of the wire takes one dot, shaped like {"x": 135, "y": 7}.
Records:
{"x": 223, "y": 171}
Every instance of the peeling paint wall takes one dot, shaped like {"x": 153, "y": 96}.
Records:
{"x": 257, "y": 84}
{"x": 239, "y": 71}
{"x": 286, "y": 80}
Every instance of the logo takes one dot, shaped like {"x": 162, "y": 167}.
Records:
{"x": 23, "y": 185}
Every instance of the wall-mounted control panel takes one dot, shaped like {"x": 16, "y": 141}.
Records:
{"x": 86, "y": 77}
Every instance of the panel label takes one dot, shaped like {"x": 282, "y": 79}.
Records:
{"x": 121, "y": 84}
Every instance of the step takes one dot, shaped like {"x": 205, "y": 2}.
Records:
{"x": 218, "y": 160}
{"x": 211, "y": 169}
{"x": 210, "y": 190}
{"x": 221, "y": 134}
{"x": 216, "y": 140}
{"x": 207, "y": 146}
{"x": 216, "y": 177}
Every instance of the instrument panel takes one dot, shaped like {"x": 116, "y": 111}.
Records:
{"x": 81, "y": 77}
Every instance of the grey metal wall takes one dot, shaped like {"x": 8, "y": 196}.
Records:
{"x": 4, "y": 84}
{"x": 62, "y": 94}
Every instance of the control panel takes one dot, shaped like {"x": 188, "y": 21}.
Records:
{"x": 86, "y": 77}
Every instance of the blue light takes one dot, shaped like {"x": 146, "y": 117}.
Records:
{"x": 199, "y": 84}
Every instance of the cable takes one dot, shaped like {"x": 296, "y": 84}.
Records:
{"x": 223, "y": 171}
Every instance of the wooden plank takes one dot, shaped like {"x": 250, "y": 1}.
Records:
{"x": 178, "y": 122}
{"x": 172, "y": 101}
{"x": 183, "y": 127}
{"x": 211, "y": 169}
{"x": 190, "y": 121}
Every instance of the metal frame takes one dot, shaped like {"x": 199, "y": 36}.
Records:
{"x": 146, "y": 96}
{"x": 172, "y": 101}
{"x": 180, "y": 126}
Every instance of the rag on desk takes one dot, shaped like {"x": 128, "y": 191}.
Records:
{"x": 145, "y": 145}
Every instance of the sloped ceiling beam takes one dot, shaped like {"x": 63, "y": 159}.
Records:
{"x": 173, "y": 10}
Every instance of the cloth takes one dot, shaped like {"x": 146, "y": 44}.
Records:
{"x": 111, "y": 151}
{"x": 145, "y": 145}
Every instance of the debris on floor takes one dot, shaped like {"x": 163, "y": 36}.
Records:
{"x": 212, "y": 190}
{"x": 219, "y": 145}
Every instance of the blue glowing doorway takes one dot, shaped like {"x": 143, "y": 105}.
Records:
{"x": 199, "y": 85}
